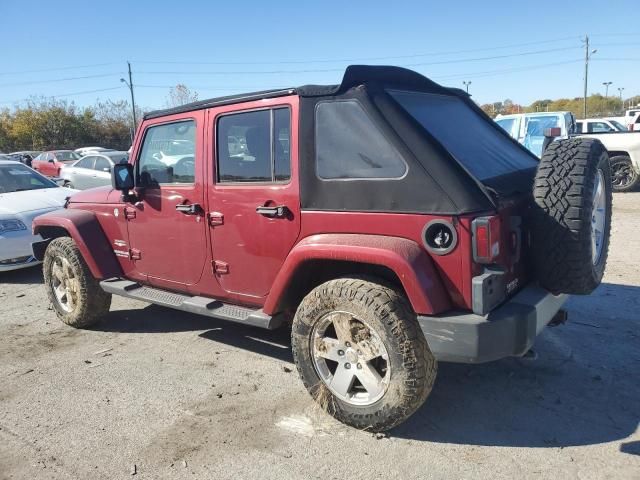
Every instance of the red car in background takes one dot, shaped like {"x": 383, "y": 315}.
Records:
{"x": 50, "y": 163}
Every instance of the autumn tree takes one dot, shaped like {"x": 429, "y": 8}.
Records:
{"x": 180, "y": 95}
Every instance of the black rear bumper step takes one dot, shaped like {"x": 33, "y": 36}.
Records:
{"x": 199, "y": 305}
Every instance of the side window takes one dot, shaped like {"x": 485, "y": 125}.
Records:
{"x": 578, "y": 127}
{"x": 86, "y": 162}
{"x": 254, "y": 146}
{"x": 598, "y": 127}
{"x": 102, "y": 165}
{"x": 349, "y": 145}
{"x": 168, "y": 154}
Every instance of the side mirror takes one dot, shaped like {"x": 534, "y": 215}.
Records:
{"x": 51, "y": 160}
{"x": 122, "y": 177}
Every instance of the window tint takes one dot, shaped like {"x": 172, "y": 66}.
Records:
{"x": 102, "y": 164}
{"x": 597, "y": 127}
{"x": 254, "y": 146}
{"x": 86, "y": 162}
{"x": 168, "y": 154}
{"x": 64, "y": 156}
{"x": 349, "y": 145}
{"x": 470, "y": 138}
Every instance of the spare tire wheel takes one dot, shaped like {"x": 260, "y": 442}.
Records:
{"x": 572, "y": 216}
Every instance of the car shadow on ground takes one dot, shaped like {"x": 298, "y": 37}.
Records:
{"x": 155, "y": 319}
{"x": 579, "y": 391}
{"x": 22, "y": 276}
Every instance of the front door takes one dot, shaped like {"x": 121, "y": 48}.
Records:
{"x": 167, "y": 227}
{"x": 254, "y": 205}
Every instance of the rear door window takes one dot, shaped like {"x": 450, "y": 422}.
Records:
{"x": 350, "y": 146}
{"x": 102, "y": 165}
{"x": 509, "y": 125}
{"x": 472, "y": 140}
{"x": 86, "y": 162}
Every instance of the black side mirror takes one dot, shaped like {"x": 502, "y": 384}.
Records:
{"x": 122, "y": 177}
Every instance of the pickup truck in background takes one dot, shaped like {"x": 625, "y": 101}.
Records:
{"x": 623, "y": 147}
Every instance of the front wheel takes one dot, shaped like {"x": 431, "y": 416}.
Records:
{"x": 623, "y": 175}
{"x": 75, "y": 294}
{"x": 361, "y": 354}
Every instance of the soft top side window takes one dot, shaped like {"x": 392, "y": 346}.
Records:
{"x": 350, "y": 146}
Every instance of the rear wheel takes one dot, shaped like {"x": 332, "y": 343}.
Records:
{"x": 361, "y": 354}
{"x": 623, "y": 175}
{"x": 75, "y": 295}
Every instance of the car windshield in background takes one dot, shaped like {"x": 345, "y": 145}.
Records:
{"x": 18, "y": 178}
{"x": 473, "y": 141}
{"x": 67, "y": 156}
{"x": 619, "y": 126}
{"x": 535, "y": 127}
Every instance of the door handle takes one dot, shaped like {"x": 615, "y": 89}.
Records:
{"x": 273, "y": 212}
{"x": 189, "y": 208}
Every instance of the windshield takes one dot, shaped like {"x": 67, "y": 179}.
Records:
{"x": 66, "y": 156}
{"x": 618, "y": 125}
{"x": 17, "y": 178}
{"x": 472, "y": 140}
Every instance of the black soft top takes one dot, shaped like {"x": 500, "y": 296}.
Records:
{"x": 354, "y": 75}
{"x": 438, "y": 156}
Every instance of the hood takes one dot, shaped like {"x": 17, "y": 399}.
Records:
{"x": 34, "y": 200}
{"x": 93, "y": 195}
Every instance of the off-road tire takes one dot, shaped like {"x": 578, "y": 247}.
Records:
{"x": 625, "y": 162}
{"x": 92, "y": 302}
{"x": 412, "y": 365}
{"x": 562, "y": 214}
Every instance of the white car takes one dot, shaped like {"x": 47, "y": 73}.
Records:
{"x": 599, "y": 125}
{"x": 87, "y": 150}
{"x": 528, "y": 128}
{"x": 24, "y": 194}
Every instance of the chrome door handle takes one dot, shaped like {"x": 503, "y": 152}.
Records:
{"x": 189, "y": 208}
{"x": 273, "y": 212}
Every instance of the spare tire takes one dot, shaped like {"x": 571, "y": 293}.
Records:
{"x": 572, "y": 216}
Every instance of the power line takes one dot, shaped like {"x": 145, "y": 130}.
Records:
{"x": 359, "y": 59}
{"x": 54, "y": 69}
{"x": 488, "y": 73}
{"x": 35, "y": 82}
{"x": 326, "y": 70}
{"x": 67, "y": 94}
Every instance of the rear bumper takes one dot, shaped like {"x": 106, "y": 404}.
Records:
{"x": 509, "y": 330}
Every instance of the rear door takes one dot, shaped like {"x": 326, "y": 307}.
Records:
{"x": 253, "y": 199}
{"x": 79, "y": 175}
{"x": 101, "y": 174}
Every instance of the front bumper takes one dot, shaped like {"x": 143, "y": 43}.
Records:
{"x": 509, "y": 330}
{"x": 15, "y": 250}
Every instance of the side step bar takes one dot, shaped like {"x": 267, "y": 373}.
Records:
{"x": 199, "y": 305}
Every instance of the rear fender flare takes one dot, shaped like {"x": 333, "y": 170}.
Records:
{"x": 85, "y": 230}
{"x": 410, "y": 263}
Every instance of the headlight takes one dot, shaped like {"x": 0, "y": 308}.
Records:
{"x": 11, "y": 225}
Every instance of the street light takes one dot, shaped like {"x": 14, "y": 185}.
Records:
{"x": 133, "y": 102}
{"x": 466, "y": 84}
{"x": 606, "y": 86}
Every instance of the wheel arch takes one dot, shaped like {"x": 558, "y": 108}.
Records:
{"x": 320, "y": 258}
{"x": 85, "y": 230}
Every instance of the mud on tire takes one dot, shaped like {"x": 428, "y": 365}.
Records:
{"x": 75, "y": 294}
{"x": 363, "y": 305}
{"x": 565, "y": 212}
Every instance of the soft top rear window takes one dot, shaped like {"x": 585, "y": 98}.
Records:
{"x": 481, "y": 148}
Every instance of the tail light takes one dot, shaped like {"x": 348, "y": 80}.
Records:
{"x": 486, "y": 239}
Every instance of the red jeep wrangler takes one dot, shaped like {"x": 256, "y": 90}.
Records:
{"x": 387, "y": 218}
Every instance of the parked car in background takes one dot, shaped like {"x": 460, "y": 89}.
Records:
{"x": 24, "y": 194}
{"x": 25, "y": 156}
{"x": 528, "y": 128}
{"x": 599, "y": 125}
{"x": 623, "y": 147}
{"x": 86, "y": 150}
{"x": 52, "y": 162}
{"x": 93, "y": 170}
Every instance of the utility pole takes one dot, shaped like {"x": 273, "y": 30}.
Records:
{"x": 133, "y": 102}
{"x": 587, "y": 57}
{"x": 466, "y": 84}
{"x": 620, "y": 89}
{"x": 606, "y": 86}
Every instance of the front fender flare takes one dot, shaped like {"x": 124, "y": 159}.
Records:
{"x": 85, "y": 229}
{"x": 411, "y": 264}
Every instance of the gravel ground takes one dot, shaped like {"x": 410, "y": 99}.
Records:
{"x": 164, "y": 394}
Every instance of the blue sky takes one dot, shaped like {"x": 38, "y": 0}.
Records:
{"x": 217, "y": 48}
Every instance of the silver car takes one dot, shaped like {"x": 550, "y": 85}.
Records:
{"x": 93, "y": 170}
